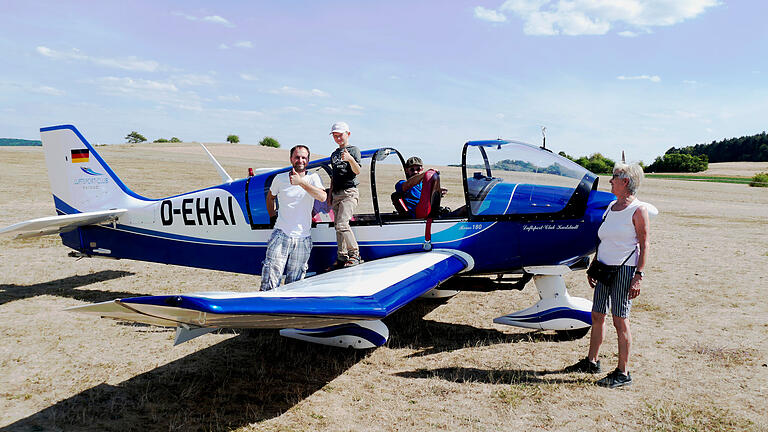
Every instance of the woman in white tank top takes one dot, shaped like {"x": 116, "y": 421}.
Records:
{"x": 623, "y": 243}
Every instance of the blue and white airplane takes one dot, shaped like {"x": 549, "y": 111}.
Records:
{"x": 528, "y": 213}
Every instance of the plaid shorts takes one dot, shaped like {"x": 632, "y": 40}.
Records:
{"x": 617, "y": 294}
{"x": 284, "y": 253}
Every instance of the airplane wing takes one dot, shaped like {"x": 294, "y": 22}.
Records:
{"x": 369, "y": 291}
{"x": 60, "y": 224}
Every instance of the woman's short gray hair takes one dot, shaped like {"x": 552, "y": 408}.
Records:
{"x": 632, "y": 172}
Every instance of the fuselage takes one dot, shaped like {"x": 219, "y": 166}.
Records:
{"x": 226, "y": 227}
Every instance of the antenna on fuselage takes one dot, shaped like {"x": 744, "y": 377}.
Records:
{"x": 544, "y": 137}
{"x": 219, "y": 168}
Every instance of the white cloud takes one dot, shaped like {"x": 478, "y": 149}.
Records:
{"x": 249, "y": 77}
{"x": 356, "y": 107}
{"x": 690, "y": 82}
{"x": 127, "y": 63}
{"x": 130, "y": 85}
{"x": 500, "y": 116}
{"x": 193, "y": 80}
{"x": 244, "y": 44}
{"x": 595, "y": 17}
{"x": 489, "y": 15}
{"x": 223, "y": 46}
{"x": 652, "y": 78}
{"x": 686, "y": 114}
{"x": 291, "y": 91}
{"x": 161, "y": 93}
{"x": 216, "y": 19}
{"x": 232, "y": 98}
{"x": 289, "y": 109}
{"x": 49, "y": 91}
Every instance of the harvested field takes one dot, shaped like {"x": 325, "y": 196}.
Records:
{"x": 700, "y": 327}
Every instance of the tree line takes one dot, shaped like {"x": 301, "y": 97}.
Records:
{"x": 743, "y": 149}
{"x": 135, "y": 138}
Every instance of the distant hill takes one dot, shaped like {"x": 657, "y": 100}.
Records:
{"x": 19, "y": 142}
{"x": 745, "y": 149}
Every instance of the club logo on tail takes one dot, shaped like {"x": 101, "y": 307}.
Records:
{"x": 90, "y": 171}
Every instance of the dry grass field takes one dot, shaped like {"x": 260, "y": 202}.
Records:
{"x": 700, "y": 331}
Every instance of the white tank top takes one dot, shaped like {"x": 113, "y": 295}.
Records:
{"x": 618, "y": 238}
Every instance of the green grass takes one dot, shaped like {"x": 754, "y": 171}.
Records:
{"x": 715, "y": 179}
{"x": 681, "y": 417}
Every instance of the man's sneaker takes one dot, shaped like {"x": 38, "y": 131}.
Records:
{"x": 616, "y": 379}
{"x": 584, "y": 365}
{"x": 338, "y": 264}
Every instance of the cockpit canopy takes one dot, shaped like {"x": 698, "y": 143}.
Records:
{"x": 502, "y": 180}
{"x": 517, "y": 180}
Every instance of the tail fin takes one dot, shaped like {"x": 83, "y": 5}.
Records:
{"x": 80, "y": 179}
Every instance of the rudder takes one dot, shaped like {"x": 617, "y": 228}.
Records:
{"x": 80, "y": 179}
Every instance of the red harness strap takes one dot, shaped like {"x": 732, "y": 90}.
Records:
{"x": 428, "y": 235}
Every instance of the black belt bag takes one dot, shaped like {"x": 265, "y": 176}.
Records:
{"x": 603, "y": 272}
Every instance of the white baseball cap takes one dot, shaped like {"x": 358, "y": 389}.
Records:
{"x": 340, "y": 127}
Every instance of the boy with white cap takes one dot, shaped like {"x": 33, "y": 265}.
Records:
{"x": 345, "y": 161}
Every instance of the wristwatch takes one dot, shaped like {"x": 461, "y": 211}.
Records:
{"x": 638, "y": 272}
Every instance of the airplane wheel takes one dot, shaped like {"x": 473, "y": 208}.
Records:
{"x": 569, "y": 335}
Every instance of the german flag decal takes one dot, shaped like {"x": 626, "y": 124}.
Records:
{"x": 79, "y": 156}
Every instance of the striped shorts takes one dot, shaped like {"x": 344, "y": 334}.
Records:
{"x": 617, "y": 294}
{"x": 284, "y": 254}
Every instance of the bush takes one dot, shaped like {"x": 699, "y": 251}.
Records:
{"x": 679, "y": 162}
{"x": 135, "y": 137}
{"x": 160, "y": 140}
{"x": 596, "y": 163}
{"x": 174, "y": 139}
{"x": 269, "y": 142}
{"x": 760, "y": 180}
{"x": 233, "y": 139}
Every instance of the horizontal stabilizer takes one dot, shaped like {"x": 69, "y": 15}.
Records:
{"x": 61, "y": 223}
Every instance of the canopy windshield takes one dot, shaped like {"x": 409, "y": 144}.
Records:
{"x": 513, "y": 178}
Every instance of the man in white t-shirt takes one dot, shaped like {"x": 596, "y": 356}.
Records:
{"x": 290, "y": 244}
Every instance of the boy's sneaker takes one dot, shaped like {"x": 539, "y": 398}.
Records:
{"x": 584, "y": 365}
{"x": 353, "y": 261}
{"x": 616, "y": 379}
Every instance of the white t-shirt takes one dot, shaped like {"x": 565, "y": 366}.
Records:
{"x": 294, "y": 217}
{"x": 618, "y": 238}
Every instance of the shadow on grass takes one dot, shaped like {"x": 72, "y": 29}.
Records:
{"x": 249, "y": 378}
{"x": 408, "y": 329}
{"x": 488, "y": 376}
{"x": 67, "y": 287}
{"x": 256, "y": 376}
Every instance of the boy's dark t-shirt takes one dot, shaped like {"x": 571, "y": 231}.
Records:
{"x": 342, "y": 176}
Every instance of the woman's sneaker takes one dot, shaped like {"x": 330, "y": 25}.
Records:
{"x": 616, "y": 379}
{"x": 584, "y": 365}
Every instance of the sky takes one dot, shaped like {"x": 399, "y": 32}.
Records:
{"x": 421, "y": 76}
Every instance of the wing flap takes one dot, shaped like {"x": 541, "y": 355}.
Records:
{"x": 60, "y": 224}
{"x": 372, "y": 290}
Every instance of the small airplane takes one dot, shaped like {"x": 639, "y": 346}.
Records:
{"x": 528, "y": 214}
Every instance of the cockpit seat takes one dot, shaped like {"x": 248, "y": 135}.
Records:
{"x": 429, "y": 204}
